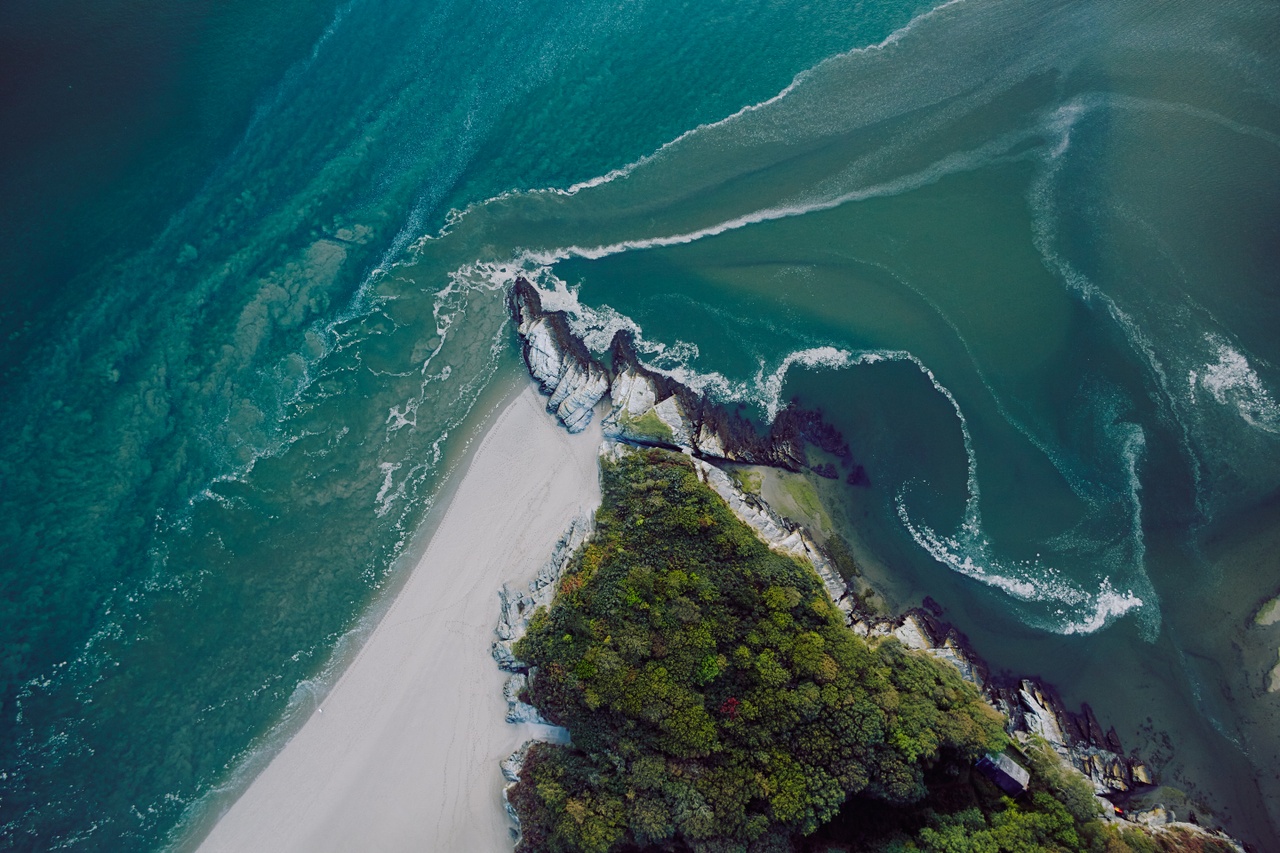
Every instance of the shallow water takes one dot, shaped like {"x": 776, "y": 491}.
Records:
{"x": 1023, "y": 253}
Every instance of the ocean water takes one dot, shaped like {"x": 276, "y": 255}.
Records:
{"x": 1022, "y": 252}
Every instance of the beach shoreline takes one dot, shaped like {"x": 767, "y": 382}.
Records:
{"x": 405, "y": 748}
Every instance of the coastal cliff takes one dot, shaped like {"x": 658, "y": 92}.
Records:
{"x": 650, "y": 409}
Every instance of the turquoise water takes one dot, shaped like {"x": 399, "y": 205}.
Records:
{"x": 1023, "y": 253}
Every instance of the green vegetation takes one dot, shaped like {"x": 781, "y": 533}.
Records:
{"x": 747, "y": 480}
{"x": 965, "y": 813}
{"x": 647, "y": 427}
{"x": 1269, "y": 613}
{"x": 802, "y": 495}
{"x": 718, "y": 703}
{"x": 715, "y": 698}
{"x": 841, "y": 555}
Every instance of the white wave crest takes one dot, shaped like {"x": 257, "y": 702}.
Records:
{"x": 1108, "y": 606}
{"x": 960, "y": 161}
{"x": 597, "y": 326}
{"x": 1074, "y": 610}
{"x": 623, "y": 171}
{"x": 969, "y": 552}
{"x": 1232, "y": 382}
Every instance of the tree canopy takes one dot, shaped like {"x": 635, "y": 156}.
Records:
{"x": 715, "y": 697}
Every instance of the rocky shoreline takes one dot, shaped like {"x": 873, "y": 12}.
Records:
{"x": 647, "y": 408}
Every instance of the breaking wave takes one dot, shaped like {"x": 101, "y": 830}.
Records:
{"x": 1232, "y": 382}
{"x": 1061, "y": 605}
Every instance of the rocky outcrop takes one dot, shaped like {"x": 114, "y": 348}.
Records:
{"x": 651, "y": 408}
{"x": 511, "y": 767}
{"x": 518, "y": 608}
{"x": 923, "y": 631}
{"x": 777, "y": 532}
{"x": 1031, "y": 707}
{"x": 558, "y": 361}
{"x": 518, "y": 710}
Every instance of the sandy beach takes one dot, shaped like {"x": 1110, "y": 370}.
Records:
{"x": 403, "y": 753}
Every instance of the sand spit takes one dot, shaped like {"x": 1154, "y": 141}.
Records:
{"x": 404, "y": 753}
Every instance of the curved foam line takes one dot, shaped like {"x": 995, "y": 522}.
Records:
{"x": 1136, "y": 102}
{"x": 455, "y": 216}
{"x": 951, "y": 164}
{"x": 622, "y": 171}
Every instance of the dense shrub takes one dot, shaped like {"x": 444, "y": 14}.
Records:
{"x": 715, "y": 698}
{"x": 964, "y": 813}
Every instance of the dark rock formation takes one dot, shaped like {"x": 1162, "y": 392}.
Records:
{"x": 1031, "y": 706}
{"x": 650, "y": 408}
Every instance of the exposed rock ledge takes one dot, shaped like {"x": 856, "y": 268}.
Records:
{"x": 649, "y": 408}
{"x": 517, "y": 608}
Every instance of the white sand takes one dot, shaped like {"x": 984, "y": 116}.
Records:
{"x": 403, "y": 754}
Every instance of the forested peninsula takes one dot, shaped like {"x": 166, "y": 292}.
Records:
{"x": 718, "y": 701}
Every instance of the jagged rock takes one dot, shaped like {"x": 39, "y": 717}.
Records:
{"x": 672, "y": 415}
{"x": 633, "y": 394}
{"x": 807, "y": 425}
{"x": 558, "y": 361}
{"x": 776, "y": 532}
{"x": 958, "y": 657}
{"x": 648, "y": 407}
{"x": 1095, "y": 733}
{"x": 505, "y": 658}
{"x": 518, "y": 710}
{"x": 514, "y": 686}
{"x": 1113, "y": 741}
{"x": 1115, "y": 774}
{"x": 511, "y": 767}
{"x": 1158, "y": 816}
{"x": 912, "y": 634}
{"x": 523, "y": 712}
{"x": 512, "y": 624}
{"x": 1039, "y": 719}
{"x": 708, "y": 442}
{"x": 639, "y": 416}
{"x": 514, "y": 763}
{"x": 517, "y": 608}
